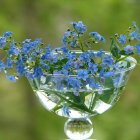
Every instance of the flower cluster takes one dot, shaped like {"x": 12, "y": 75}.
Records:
{"x": 33, "y": 59}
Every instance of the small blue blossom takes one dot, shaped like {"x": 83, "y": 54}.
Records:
{"x": 9, "y": 63}
{"x": 108, "y": 60}
{"x": 109, "y": 74}
{"x": 27, "y": 45}
{"x": 13, "y": 49}
{"x": 2, "y": 66}
{"x": 74, "y": 43}
{"x": 67, "y": 65}
{"x": 65, "y": 50}
{"x": 74, "y": 83}
{"x": 138, "y": 49}
{"x": 26, "y": 48}
{"x": 65, "y": 38}
{"x": 29, "y": 75}
{"x": 52, "y": 58}
{"x": 122, "y": 39}
{"x": 92, "y": 67}
{"x": 44, "y": 65}
{"x": 58, "y": 80}
{"x": 37, "y": 72}
{"x": 133, "y": 35}
{"x": 11, "y": 78}
{"x": 7, "y": 34}
{"x": 85, "y": 57}
{"x": 92, "y": 83}
{"x": 128, "y": 49}
{"x": 20, "y": 69}
{"x": 82, "y": 74}
{"x": 47, "y": 53}
{"x": 77, "y": 64}
{"x": 64, "y": 71}
{"x": 97, "y": 36}
{"x": 79, "y": 26}
{"x": 100, "y": 53}
{"x": 92, "y": 53}
{"x": 2, "y": 42}
{"x": 71, "y": 56}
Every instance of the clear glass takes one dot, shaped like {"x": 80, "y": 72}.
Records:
{"x": 56, "y": 96}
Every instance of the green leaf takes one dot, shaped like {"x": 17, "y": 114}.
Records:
{"x": 115, "y": 50}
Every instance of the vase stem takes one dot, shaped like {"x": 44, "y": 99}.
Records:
{"x": 78, "y": 128}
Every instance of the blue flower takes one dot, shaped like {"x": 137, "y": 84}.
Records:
{"x": 128, "y": 49}
{"x": 37, "y": 72}
{"x": 138, "y": 49}
{"x": 9, "y": 63}
{"x": 74, "y": 83}
{"x": 27, "y": 46}
{"x": 64, "y": 71}
{"x": 74, "y": 43}
{"x": 13, "y": 50}
{"x": 108, "y": 61}
{"x": 66, "y": 37}
{"x": 71, "y": 56}
{"x": 67, "y": 65}
{"x": 2, "y": 66}
{"x": 29, "y": 75}
{"x": 44, "y": 65}
{"x": 11, "y": 78}
{"x": 58, "y": 80}
{"x": 122, "y": 39}
{"x": 92, "y": 53}
{"x": 92, "y": 67}
{"x": 77, "y": 64}
{"x": 133, "y": 35}
{"x": 92, "y": 83}
{"x": 52, "y": 58}
{"x": 85, "y": 57}
{"x": 79, "y": 26}
{"x": 97, "y": 36}
{"x": 20, "y": 68}
{"x": 70, "y": 38}
{"x": 2, "y": 42}
{"x": 82, "y": 74}
{"x": 8, "y": 34}
{"x": 100, "y": 53}
{"x": 47, "y": 53}
{"x": 65, "y": 50}
{"x": 109, "y": 74}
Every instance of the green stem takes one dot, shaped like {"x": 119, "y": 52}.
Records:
{"x": 121, "y": 59}
{"x": 79, "y": 106}
{"x": 80, "y": 41}
{"x": 81, "y": 44}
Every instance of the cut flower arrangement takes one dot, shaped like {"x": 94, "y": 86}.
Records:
{"x": 74, "y": 81}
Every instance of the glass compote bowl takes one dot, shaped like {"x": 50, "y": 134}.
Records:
{"x": 56, "y": 96}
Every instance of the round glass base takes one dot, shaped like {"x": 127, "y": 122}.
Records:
{"x": 78, "y": 129}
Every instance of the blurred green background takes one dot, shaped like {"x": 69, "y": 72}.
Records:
{"x": 21, "y": 115}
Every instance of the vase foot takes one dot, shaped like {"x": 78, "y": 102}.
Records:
{"x": 78, "y": 129}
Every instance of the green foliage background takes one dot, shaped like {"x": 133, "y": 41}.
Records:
{"x": 21, "y": 115}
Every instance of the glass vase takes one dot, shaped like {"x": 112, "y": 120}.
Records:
{"x": 57, "y": 96}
